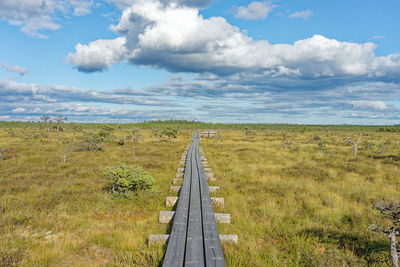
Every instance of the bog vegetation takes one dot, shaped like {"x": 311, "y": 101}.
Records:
{"x": 126, "y": 180}
{"x": 90, "y": 194}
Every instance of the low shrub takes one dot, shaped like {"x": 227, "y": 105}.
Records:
{"x": 3, "y": 152}
{"x": 127, "y": 179}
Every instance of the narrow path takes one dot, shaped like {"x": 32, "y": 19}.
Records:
{"x": 194, "y": 239}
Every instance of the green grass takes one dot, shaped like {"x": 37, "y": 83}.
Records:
{"x": 54, "y": 213}
{"x": 300, "y": 205}
{"x": 303, "y": 205}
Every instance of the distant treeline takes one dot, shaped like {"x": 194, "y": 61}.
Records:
{"x": 183, "y": 124}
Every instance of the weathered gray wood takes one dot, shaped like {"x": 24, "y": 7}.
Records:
{"x": 157, "y": 239}
{"x": 177, "y": 181}
{"x": 175, "y": 254}
{"x": 217, "y": 201}
{"x": 168, "y": 217}
{"x": 223, "y": 217}
{"x": 214, "y": 255}
{"x": 177, "y": 188}
{"x": 393, "y": 249}
{"x": 229, "y": 239}
{"x": 213, "y": 189}
{"x": 171, "y": 201}
{"x": 194, "y": 239}
{"x": 209, "y": 174}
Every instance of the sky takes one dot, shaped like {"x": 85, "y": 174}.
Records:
{"x": 282, "y": 61}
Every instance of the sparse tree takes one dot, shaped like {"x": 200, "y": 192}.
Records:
{"x": 90, "y": 142}
{"x": 250, "y": 134}
{"x": 59, "y": 120}
{"x": 382, "y": 148}
{"x": 105, "y": 132}
{"x": 322, "y": 145}
{"x": 3, "y": 153}
{"x": 170, "y": 132}
{"x": 390, "y": 210}
{"x": 135, "y": 137}
{"x": 65, "y": 153}
{"x": 75, "y": 128}
{"x": 267, "y": 134}
{"x": 157, "y": 134}
{"x": 285, "y": 143}
{"x": 47, "y": 120}
{"x": 367, "y": 145}
{"x": 348, "y": 140}
{"x": 217, "y": 136}
{"x": 123, "y": 141}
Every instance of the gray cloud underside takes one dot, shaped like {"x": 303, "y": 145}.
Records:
{"x": 36, "y": 16}
{"x": 178, "y": 39}
{"x": 237, "y": 76}
{"x": 122, "y": 4}
{"x": 11, "y": 91}
{"x": 209, "y": 98}
{"x": 17, "y": 69}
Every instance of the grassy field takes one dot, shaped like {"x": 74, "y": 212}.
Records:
{"x": 297, "y": 195}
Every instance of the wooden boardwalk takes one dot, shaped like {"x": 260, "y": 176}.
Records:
{"x": 194, "y": 239}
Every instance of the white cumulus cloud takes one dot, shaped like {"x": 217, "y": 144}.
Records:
{"x": 98, "y": 55}
{"x": 254, "y": 11}
{"x": 179, "y": 39}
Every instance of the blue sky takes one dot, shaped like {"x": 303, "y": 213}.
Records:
{"x": 334, "y": 62}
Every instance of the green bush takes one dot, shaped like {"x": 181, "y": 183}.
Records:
{"x": 127, "y": 179}
{"x": 170, "y": 132}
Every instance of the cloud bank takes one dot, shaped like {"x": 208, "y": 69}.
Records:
{"x": 206, "y": 97}
{"x": 234, "y": 78}
{"x": 35, "y": 16}
{"x": 178, "y": 39}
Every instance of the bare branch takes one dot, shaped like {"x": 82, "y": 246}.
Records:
{"x": 348, "y": 140}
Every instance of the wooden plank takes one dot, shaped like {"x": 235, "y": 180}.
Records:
{"x": 194, "y": 240}
{"x": 175, "y": 253}
{"x": 228, "y": 239}
{"x": 168, "y": 216}
{"x": 216, "y": 201}
{"x": 213, "y": 253}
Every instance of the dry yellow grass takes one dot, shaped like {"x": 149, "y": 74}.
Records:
{"x": 59, "y": 214}
{"x": 308, "y": 204}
